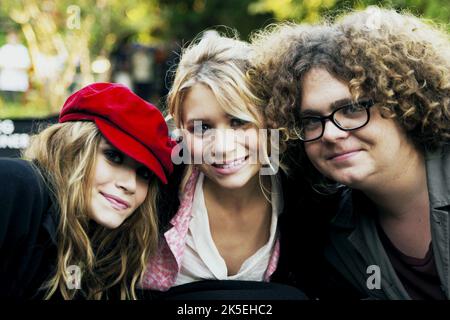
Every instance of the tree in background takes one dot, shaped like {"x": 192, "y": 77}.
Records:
{"x": 185, "y": 19}
{"x": 314, "y": 10}
{"x": 64, "y": 36}
{"x": 67, "y": 38}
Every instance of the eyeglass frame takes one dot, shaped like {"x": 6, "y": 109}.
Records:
{"x": 367, "y": 104}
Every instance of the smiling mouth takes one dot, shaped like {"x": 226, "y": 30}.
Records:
{"x": 115, "y": 203}
{"x": 229, "y": 165}
{"x": 344, "y": 155}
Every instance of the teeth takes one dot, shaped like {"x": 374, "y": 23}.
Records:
{"x": 232, "y": 164}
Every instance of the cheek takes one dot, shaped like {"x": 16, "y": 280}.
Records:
{"x": 102, "y": 173}
{"x": 312, "y": 151}
{"x": 254, "y": 147}
{"x": 382, "y": 135}
{"x": 141, "y": 192}
{"x": 250, "y": 140}
{"x": 394, "y": 136}
{"x": 194, "y": 145}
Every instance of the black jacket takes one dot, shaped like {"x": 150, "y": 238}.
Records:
{"x": 28, "y": 226}
{"x": 303, "y": 227}
{"x": 355, "y": 244}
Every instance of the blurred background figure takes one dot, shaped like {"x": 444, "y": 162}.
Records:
{"x": 121, "y": 63}
{"x": 14, "y": 66}
{"x": 143, "y": 71}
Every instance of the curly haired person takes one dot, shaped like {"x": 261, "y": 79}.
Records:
{"x": 364, "y": 107}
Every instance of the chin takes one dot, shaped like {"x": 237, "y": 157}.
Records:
{"x": 109, "y": 220}
{"x": 351, "y": 180}
{"x": 351, "y": 176}
{"x": 110, "y": 224}
{"x": 235, "y": 181}
{"x": 231, "y": 185}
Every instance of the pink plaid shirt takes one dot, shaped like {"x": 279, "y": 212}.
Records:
{"x": 164, "y": 266}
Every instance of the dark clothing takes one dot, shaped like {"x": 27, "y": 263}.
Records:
{"x": 419, "y": 276}
{"x": 303, "y": 228}
{"x": 303, "y": 235}
{"x": 228, "y": 290}
{"x": 355, "y": 244}
{"x": 28, "y": 225}
{"x": 168, "y": 200}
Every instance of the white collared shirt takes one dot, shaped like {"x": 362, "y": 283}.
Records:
{"x": 202, "y": 260}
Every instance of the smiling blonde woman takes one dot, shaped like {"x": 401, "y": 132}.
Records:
{"x": 226, "y": 227}
{"x": 79, "y": 216}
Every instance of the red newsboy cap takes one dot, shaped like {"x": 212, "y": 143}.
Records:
{"x": 132, "y": 125}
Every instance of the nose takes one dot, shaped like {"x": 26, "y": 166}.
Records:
{"x": 224, "y": 143}
{"x": 126, "y": 179}
{"x": 331, "y": 132}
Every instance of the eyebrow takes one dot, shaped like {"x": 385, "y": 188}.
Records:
{"x": 109, "y": 145}
{"x": 334, "y": 105}
{"x": 206, "y": 118}
{"x": 191, "y": 121}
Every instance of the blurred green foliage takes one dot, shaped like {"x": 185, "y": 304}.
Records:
{"x": 315, "y": 10}
{"x": 167, "y": 21}
{"x": 20, "y": 110}
{"x": 185, "y": 19}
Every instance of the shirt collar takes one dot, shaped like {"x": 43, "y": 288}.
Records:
{"x": 353, "y": 203}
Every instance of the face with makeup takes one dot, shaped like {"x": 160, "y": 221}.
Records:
{"x": 119, "y": 186}
{"x": 370, "y": 156}
{"x": 226, "y": 146}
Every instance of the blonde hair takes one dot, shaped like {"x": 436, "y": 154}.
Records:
{"x": 66, "y": 153}
{"x": 220, "y": 63}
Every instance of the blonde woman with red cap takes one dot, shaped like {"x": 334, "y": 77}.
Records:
{"x": 78, "y": 213}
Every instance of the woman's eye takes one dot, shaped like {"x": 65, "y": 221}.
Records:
{"x": 353, "y": 108}
{"x": 113, "y": 156}
{"x": 237, "y": 123}
{"x": 144, "y": 173}
{"x": 311, "y": 123}
{"x": 202, "y": 128}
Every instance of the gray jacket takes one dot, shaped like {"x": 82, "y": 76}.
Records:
{"x": 355, "y": 245}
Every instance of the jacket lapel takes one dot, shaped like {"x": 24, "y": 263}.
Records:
{"x": 176, "y": 236}
{"x": 438, "y": 180}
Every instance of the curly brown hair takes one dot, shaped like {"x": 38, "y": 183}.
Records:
{"x": 398, "y": 60}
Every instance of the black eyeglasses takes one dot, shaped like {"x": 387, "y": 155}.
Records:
{"x": 348, "y": 117}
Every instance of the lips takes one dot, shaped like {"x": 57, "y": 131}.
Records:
{"x": 230, "y": 167}
{"x": 116, "y": 202}
{"x": 342, "y": 155}
{"x": 230, "y": 164}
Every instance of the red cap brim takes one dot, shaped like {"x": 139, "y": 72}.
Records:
{"x": 131, "y": 148}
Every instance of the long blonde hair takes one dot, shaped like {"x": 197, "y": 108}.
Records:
{"x": 66, "y": 153}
